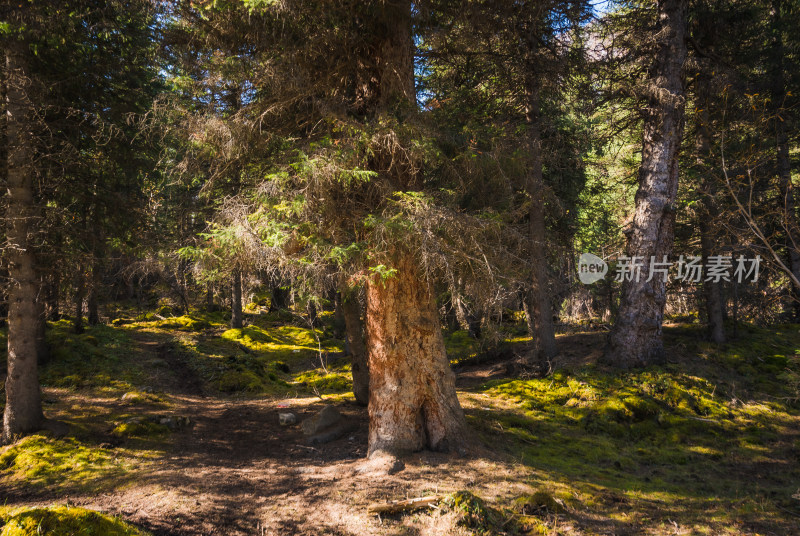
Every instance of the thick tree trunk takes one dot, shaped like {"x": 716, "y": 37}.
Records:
{"x": 539, "y": 309}
{"x": 635, "y": 339}
{"x": 354, "y": 331}
{"x": 23, "y": 411}
{"x": 712, "y": 291}
{"x": 236, "y": 300}
{"x": 413, "y": 403}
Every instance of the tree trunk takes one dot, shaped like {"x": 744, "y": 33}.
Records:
{"x": 23, "y": 411}
{"x": 80, "y": 294}
{"x": 539, "y": 308}
{"x": 210, "y": 307}
{"x": 354, "y": 331}
{"x": 708, "y": 214}
{"x": 635, "y": 339}
{"x": 52, "y": 294}
{"x": 92, "y": 302}
{"x": 236, "y": 300}
{"x": 412, "y": 403}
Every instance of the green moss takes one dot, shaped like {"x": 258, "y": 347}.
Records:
{"x": 239, "y": 380}
{"x": 41, "y": 461}
{"x": 473, "y": 512}
{"x": 139, "y": 427}
{"x": 65, "y": 521}
{"x": 333, "y": 382}
{"x": 99, "y": 358}
{"x": 185, "y": 323}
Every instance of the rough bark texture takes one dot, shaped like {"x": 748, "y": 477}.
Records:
{"x": 539, "y": 310}
{"x": 354, "y": 330}
{"x": 236, "y": 300}
{"x": 635, "y": 339}
{"x": 413, "y": 403}
{"x": 23, "y": 411}
{"x": 712, "y": 291}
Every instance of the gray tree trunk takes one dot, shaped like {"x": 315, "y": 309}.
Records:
{"x": 23, "y": 411}
{"x": 236, "y": 300}
{"x": 635, "y": 339}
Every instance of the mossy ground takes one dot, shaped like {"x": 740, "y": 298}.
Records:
{"x": 709, "y": 442}
{"x": 62, "y": 521}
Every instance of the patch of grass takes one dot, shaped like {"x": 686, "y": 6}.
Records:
{"x": 64, "y": 521}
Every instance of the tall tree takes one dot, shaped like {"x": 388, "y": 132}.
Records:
{"x": 23, "y": 411}
{"x": 635, "y": 339}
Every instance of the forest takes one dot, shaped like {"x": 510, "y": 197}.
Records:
{"x": 399, "y": 267}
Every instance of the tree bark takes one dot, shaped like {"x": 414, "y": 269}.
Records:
{"x": 92, "y": 302}
{"x": 709, "y": 213}
{"x": 354, "y": 331}
{"x": 23, "y": 411}
{"x": 412, "y": 403}
{"x": 236, "y": 300}
{"x": 80, "y": 294}
{"x": 635, "y": 339}
{"x": 539, "y": 308}
{"x": 210, "y": 307}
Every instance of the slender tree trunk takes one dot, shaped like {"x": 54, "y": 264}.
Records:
{"x": 236, "y": 300}
{"x": 354, "y": 331}
{"x": 80, "y": 294}
{"x": 210, "y": 298}
{"x": 92, "y": 302}
{"x": 412, "y": 403}
{"x": 52, "y": 296}
{"x": 539, "y": 308}
{"x": 635, "y": 339}
{"x": 709, "y": 213}
{"x": 23, "y": 411}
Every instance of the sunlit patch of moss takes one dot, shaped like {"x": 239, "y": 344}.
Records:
{"x": 184, "y": 323}
{"x": 143, "y": 428}
{"x": 40, "y": 461}
{"x": 65, "y": 521}
{"x": 334, "y": 381}
{"x": 460, "y": 346}
{"x": 663, "y": 439}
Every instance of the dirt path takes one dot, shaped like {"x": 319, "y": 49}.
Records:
{"x": 236, "y": 471}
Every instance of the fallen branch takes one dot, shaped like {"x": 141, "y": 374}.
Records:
{"x": 404, "y": 506}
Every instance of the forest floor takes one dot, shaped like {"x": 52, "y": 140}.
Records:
{"x": 707, "y": 444}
